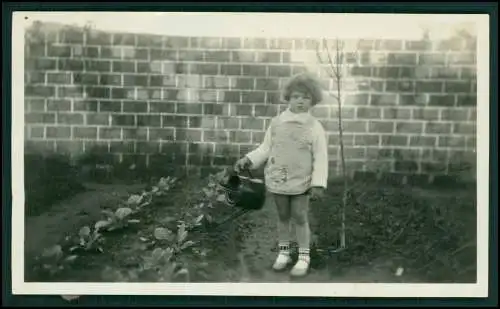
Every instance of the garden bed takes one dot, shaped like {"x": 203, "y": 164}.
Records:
{"x": 429, "y": 234}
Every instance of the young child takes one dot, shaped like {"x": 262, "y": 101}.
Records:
{"x": 296, "y": 156}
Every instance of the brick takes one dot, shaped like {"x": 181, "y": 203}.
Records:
{"x": 231, "y": 43}
{"x": 452, "y": 141}
{"x": 109, "y": 133}
{"x": 149, "y": 120}
{"x": 142, "y": 107}
{"x": 35, "y": 78}
{"x": 217, "y": 82}
{"x": 58, "y": 105}
{"x": 42, "y": 91}
{"x": 218, "y": 136}
{"x": 85, "y": 106}
{"x": 70, "y": 64}
{"x": 69, "y": 147}
{"x": 253, "y": 97}
{"x": 69, "y": 118}
{"x": 99, "y": 66}
{"x": 468, "y": 73}
{"x": 354, "y": 153}
{"x": 383, "y": 99}
{"x": 228, "y": 123}
{"x": 428, "y": 167}
{"x": 279, "y": 70}
{"x": 161, "y": 134}
{"x": 149, "y": 40}
{"x": 45, "y": 147}
{"x": 143, "y": 94}
{"x": 44, "y": 64}
{"x": 437, "y": 128}
{"x": 98, "y": 92}
{"x": 189, "y": 135}
{"x": 409, "y": 127}
{"x": 249, "y": 123}
{"x": 189, "y": 108}
{"x": 280, "y": 43}
{"x": 442, "y": 100}
{"x": 368, "y": 113}
{"x": 35, "y": 105}
{"x": 58, "y": 51}
{"x": 85, "y": 79}
{"x": 444, "y": 72}
{"x": 386, "y": 72}
{"x": 457, "y": 86}
{"x": 231, "y": 69}
{"x": 244, "y": 83}
{"x": 418, "y": 45}
{"x": 122, "y": 147}
{"x": 319, "y": 111}
{"x": 366, "y": 140}
{"x": 464, "y": 128}
{"x": 402, "y": 58}
{"x": 147, "y": 147}
{"x": 406, "y": 166}
{"x": 257, "y": 137}
{"x": 466, "y": 100}
{"x": 254, "y": 43}
{"x": 213, "y": 109}
{"x": 471, "y": 142}
{"x": 59, "y": 78}
{"x": 136, "y": 133}
{"x": 431, "y": 59}
{"x": 135, "y": 80}
{"x": 83, "y": 132}
{"x": 454, "y": 115}
{"x": 396, "y": 113}
{"x": 111, "y": 52}
{"x": 136, "y": 159}
{"x": 242, "y": 110}
{"x": 253, "y": 70}
{"x": 122, "y": 120}
{"x": 176, "y": 121}
{"x": 429, "y": 86}
{"x": 461, "y": 58}
{"x": 355, "y": 126}
{"x": 231, "y": 96}
{"x": 376, "y": 85}
{"x": 110, "y": 106}
{"x": 176, "y": 42}
{"x": 388, "y": 45}
{"x": 73, "y": 92}
{"x": 400, "y": 86}
{"x": 266, "y": 84}
{"x": 330, "y": 125}
{"x": 99, "y": 38}
{"x": 204, "y": 69}
{"x": 190, "y": 55}
{"x": 381, "y": 127}
{"x": 156, "y": 107}
{"x": 423, "y": 141}
{"x": 394, "y": 140}
{"x": 97, "y": 119}
{"x": 361, "y": 71}
{"x": 227, "y": 150}
{"x": 110, "y": 79}
{"x": 472, "y": 115}
{"x": 37, "y": 132}
{"x": 268, "y": 57}
{"x": 123, "y": 66}
{"x": 240, "y": 137}
{"x": 425, "y": 113}
{"x": 217, "y": 56}
{"x": 356, "y": 99}
{"x": 271, "y": 97}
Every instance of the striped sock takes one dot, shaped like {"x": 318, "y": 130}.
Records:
{"x": 304, "y": 254}
{"x": 284, "y": 247}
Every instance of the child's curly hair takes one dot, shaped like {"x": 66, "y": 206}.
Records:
{"x": 306, "y": 83}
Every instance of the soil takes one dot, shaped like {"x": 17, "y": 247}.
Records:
{"x": 243, "y": 252}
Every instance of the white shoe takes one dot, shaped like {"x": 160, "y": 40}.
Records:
{"x": 282, "y": 261}
{"x": 301, "y": 267}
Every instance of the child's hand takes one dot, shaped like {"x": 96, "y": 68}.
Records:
{"x": 317, "y": 193}
{"x": 242, "y": 164}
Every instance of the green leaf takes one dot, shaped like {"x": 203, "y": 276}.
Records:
{"x": 84, "y": 232}
{"x": 134, "y": 221}
{"x": 181, "y": 233}
{"x": 101, "y": 224}
{"x": 221, "y": 198}
{"x": 134, "y": 199}
{"x": 198, "y": 220}
{"x": 162, "y": 233}
{"x": 54, "y": 251}
{"x": 123, "y": 212}
{"x": 187, "y": 244}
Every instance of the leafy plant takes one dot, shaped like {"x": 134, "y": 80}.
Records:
{"x": 116, "y": 220}
{"x": 88, "y": 240}
{"x": 52, "y": 260}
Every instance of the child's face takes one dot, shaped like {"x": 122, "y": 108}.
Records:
{"x": 300, "y": 102}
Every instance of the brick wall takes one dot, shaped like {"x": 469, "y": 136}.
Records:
{"x": 409, "y": 106}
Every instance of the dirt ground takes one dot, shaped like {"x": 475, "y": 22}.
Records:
{"x": 248, "y": 258}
